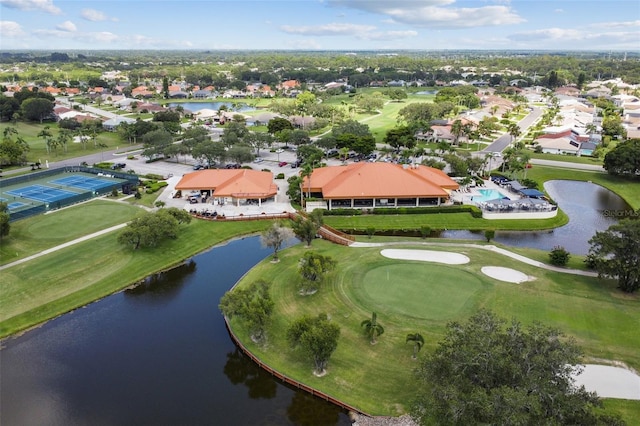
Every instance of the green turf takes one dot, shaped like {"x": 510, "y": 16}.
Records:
{"x": 406, "y": 288}
{"x": 34, "y": 234}
{"x": 601, "y": 319}
{"x": 413, "y": 222}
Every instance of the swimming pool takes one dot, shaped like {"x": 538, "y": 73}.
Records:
{"x": 488, "y": 194}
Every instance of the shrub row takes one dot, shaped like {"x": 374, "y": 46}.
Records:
{"x": 154, "y": 186}
{"x": 473, "y": 210}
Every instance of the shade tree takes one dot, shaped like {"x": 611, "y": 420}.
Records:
{"x": 253, "y": 305}
{"x": 313, "y": 269}
{"x": 316, "y": 337}
{"x": 149, "y": 229}
{"x": 275, "y": 236}
{"x": 615, "y": 253}
{"x": 488, "y": 371}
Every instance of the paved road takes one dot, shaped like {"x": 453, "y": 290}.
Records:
{"x": 568, "y": 165}
{"x": 503, "y": 141}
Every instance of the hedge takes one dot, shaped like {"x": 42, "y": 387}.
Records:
{"x": 473, "y": 210}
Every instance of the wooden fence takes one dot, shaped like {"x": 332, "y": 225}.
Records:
{"x": 289, "y": 380}
{"x": 326, "y": 232}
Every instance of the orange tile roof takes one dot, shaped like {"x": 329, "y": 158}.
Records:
{"x": 379, "y": 180}
{"x": 238, "y": 183}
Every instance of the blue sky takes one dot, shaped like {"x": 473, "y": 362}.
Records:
{"x": 321, "y": 24}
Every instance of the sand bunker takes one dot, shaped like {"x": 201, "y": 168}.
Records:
{"x": 610, "y": 382}
{"x": 426, "y": 256}
{"x": 505, "y": 274}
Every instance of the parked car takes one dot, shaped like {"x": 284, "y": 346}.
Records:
{"x": 198, "y": 167}
{"x": 282, "y": 163}
{"x": 296, "y": 163}
{"x": 258, "y": 160}
{"x": 118, "y": 166}
{"x": 279, "y": 151}
{"x": 233, "y": 166}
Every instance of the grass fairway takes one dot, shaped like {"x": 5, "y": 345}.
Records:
{"x": 412, "y": 296}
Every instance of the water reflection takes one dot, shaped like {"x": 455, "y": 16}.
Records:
{"x": 156, "y": 354}
{"x": 241, "y": 370}
{"x": 585, "y": 203}
{"x": 163, "y": 285}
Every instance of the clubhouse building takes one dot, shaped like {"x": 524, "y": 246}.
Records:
{"x": 371, "y": 185}
{"x": 236, "y": 186}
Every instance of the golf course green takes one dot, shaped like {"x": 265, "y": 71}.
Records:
{"x": 411, "y": 296}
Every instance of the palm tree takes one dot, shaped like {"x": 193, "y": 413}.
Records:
{"x": 514, "y": 131}
{"x": 457, "y": 130}
{"x": 418, "y": 342}
{"x": 372, "y": 328}
{"x": 46, "y": 134}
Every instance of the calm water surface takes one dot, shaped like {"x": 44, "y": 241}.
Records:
{"x": 160, "y": 355}
{"x": 588, "y": 206}
{"x": 197, "y": 106}
{"x": 155, "y": 355}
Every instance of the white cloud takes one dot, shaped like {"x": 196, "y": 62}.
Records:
{"x": 106, "y": 39}
{"x": 41, "y": 5}
{"x": 11, "y": 29}
{"x": 333, "y": 29}
{"x": 559, "y": 11}
{"x": 436, "y": 13}
{"x": 95, "y": 15}
{"x": 621, "y": 24}
{"x": 586, "y": 38}
{"x": 67, "y": 26}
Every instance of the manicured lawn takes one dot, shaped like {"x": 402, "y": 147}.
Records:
{"x": 567, "y": 158}
{"x": 423, "y": 297}
{"x": 59, "y": 282}
{"x": 443, "y": 221}
{"x": 34, "y": 234}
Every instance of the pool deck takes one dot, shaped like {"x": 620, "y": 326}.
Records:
{"x": 469, "y": 196}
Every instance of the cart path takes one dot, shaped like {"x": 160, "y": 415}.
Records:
{"x": 64, "y": 245}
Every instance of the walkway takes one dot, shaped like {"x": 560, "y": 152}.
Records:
{"x": 64, "y": 245}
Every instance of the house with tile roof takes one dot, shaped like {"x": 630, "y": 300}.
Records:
{"x": 371, "y": 185}
{"x": 231, "y": 185}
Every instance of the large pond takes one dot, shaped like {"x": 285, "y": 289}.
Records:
{"x": 197, "y": 106}
{"x": 590, "y": 208}
{"x": 155, "y": 355}
{"x": 160, "y": 354}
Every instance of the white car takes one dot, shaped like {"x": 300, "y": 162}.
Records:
{"x": 279, "y": 151}
{"x": 258, "y": 160}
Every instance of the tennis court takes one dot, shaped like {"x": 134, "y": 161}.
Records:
{"x": 44, "y": 194}
{"x": 83, "y": 182}
{"x": 46, "y": 190}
